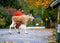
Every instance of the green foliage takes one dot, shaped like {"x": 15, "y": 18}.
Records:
{"x": 10, "y": 3}
{"x": 51, "y": 14}
{"x": 5, "y": 17}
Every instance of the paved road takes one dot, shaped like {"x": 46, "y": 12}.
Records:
{"x": 33, "y": 36}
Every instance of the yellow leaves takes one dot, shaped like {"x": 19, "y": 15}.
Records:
{"x": 47, "y": 2}
{"x": 37, "y": 3}
{"x": 44, "y": 3}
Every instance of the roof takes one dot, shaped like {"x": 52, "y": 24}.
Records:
{"x": 55, "y": 4}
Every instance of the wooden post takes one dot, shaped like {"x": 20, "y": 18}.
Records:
{"x": 58, "y": 15}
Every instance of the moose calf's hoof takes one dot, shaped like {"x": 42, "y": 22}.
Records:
{"x": 18, "y": 32}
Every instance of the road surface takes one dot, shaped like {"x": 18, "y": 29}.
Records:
{"x": 33, "y": 36}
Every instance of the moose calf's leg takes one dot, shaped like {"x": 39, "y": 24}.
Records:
{"x": 10, "y": 29}
{"x": 25, "y": 29}
{"x": 17, "y": 30}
